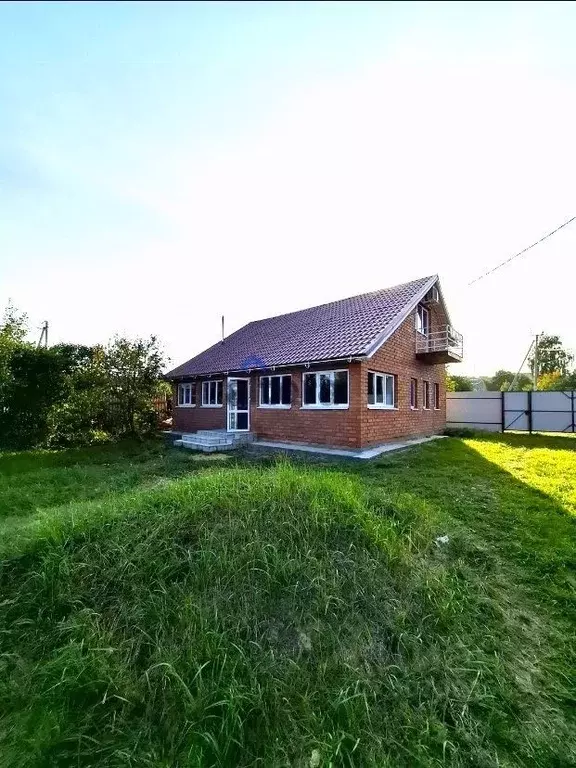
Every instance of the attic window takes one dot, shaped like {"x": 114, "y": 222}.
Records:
{"x": 432, "y": 297}
{"x": 423, "y": 320}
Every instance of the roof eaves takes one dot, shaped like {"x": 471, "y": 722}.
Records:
{"x": 375, "y": 345}
{"x": 354, "y": 358}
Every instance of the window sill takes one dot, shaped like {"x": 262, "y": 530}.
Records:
{"x": 275, "y": 407}
{"x": 414, "y": 408}
{"x": 186, "y": 406}
{"x": 437, "y": 409}
{"x": 378, "y": 407}
{"x": 324, "y": 407}
{"x": 426, "y": 409}
{"x": 211, "y": 406}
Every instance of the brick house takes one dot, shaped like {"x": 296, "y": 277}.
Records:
{"x": 352, "y": 373}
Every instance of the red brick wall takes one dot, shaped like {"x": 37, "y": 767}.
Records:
{"x": 186, "y": 419}
{"x": 303, "y": 425}
{"x": 354, "y": 427}
{"x": 396, "y": 356}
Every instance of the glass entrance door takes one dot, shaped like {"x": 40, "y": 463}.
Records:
{"x": 238, "y": 405}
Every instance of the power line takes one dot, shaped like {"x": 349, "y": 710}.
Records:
{"x": 523, "y": 251}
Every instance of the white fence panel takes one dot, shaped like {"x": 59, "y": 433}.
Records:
{"x": 551, "y": 421}
{"x": 552, "y": 411}
{"x": 474, "y": 410}
{"x": 516, "y": 409}
{"x": 551, "y": 401}
{"x": 522, "y": 411}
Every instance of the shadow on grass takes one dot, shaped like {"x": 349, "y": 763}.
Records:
{"x": 494, "y": 496}
{"x": 530, "y": 532}
{"x": 17, "y": 462}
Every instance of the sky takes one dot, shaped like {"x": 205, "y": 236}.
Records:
{"x": 163, "y": 164}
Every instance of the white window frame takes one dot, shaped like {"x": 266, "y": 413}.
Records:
{"x": 412, "y": 406}
{"x": 420, "y": 325}
{"x": 271, "y": 376}
{"x": 183, "y": 387}
{"x": 384, "y": 376}
{"x": 425, "y": 395}
{"x": 206, "y": 400}
{"x": 436, "y": 396}
{"x": 327, "y": 406}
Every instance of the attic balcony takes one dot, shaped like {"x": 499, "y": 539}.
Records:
{"x": 442, "y": 346}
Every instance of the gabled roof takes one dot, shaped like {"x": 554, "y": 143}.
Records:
{"x": 353, "y": 327}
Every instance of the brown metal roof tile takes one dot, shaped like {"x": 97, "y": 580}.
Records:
{"x": 337, "y": 330}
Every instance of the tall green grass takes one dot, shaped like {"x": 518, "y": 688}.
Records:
{"x": 273, "y": 616}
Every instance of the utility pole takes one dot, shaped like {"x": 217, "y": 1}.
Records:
{"x": 535, "y": 366}
{"x": 43, "y": 342}
{"x": 515, "y": 379}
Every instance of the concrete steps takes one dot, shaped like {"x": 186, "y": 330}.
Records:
{"x": 212, "y": 440}
{"x": 204, "y": 446}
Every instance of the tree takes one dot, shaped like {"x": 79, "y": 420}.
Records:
{"x": 133, "y": 371}
{"x": 555, "y": 381}
{"x": 80, "y": 415}
{"x": 551, "y": 356}
{"x": 502, "y": 380}
{"x": 111, "y": 391}
{"x": 71, "y": 394}
{"x": 14, "y": 326}
{"x": 569, "y": 381}
{"x": 13, "y": 330}
{"x": 548, "y": 381}
{"x": 459, "y": 383}
{"x": 35, "y": 380}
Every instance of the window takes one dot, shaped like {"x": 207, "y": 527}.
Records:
{"x": 325, "y": 389}
{"x": 426, "y": 395}
{"x": 381, "y": 390}
{"x": 275, "y": 391}
{"x": 211, "y": 394}
{"x": 186, "y": 395}
{"x": 423, "y": 320}
{"x": 436, "y": 396}
{"x": 433, "y": 295}
{"x": 413, "y": 393}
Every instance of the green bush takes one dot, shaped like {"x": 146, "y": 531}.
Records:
{"x": 35, "y": 382}
{"x": 71, "y": 394}
{"x": 460, "y": 432}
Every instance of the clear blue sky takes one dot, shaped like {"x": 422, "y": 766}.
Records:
{"x": 162, "y": 164}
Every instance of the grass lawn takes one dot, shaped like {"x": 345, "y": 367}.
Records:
{"x": 161, "y": 608}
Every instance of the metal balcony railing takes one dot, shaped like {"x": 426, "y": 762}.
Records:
{"x": 445, "y": 340}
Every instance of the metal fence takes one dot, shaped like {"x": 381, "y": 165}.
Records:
{"x": 502, "y": 411}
